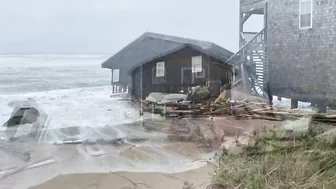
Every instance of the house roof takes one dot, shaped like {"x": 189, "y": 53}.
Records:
{"x": 151, "y": 46}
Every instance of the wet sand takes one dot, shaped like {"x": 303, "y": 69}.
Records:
{"x": 144, "y": 147}
{"x": 200, "y": 178}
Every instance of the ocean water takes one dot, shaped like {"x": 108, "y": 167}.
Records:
{"x": 74, "y": 91}
{"x": 36, "y": 73}
{"x": 55, "y": 81}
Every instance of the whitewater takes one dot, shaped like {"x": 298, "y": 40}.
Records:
{"x": 74, "y": 91}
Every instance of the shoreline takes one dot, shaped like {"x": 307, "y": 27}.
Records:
{"x": 199, "y": 178}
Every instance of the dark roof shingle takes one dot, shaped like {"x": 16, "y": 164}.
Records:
{"x": 150, "y": 46}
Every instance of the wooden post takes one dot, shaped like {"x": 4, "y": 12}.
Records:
{"x": 241, "y": 27}
{"x": 245, "y": 79}
{"x": 294, "y": 104}
{"x": 112, "y": 81}
{"x": 321, "y": 108}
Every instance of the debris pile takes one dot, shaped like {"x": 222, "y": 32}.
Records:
{"x": 198, "y": 102}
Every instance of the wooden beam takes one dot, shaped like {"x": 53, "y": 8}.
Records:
{"x": 246, "y": 17}
{"x": 265, "y": 18}
{"x": 245, "y": 78}
{"x": 241, "y": 27}
{"x": 255, "y": 8}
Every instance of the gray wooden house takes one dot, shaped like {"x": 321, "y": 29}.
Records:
{"x": 161, "y": 63}
{"x": 294, "y": 55}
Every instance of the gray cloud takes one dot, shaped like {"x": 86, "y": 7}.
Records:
{"x": 105, "y": 26}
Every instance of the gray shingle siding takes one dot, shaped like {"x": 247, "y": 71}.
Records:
{"x": 302, "y": 63}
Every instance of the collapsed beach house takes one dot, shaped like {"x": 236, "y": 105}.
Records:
{"x": 169, "y": 64}
{"x": 294, "y": 55}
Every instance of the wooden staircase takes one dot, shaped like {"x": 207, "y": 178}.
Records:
{"x": 252, "y": 62}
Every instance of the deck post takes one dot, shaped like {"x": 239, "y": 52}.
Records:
{"x": 244, "y": 77}
{"x": 294, "y": 103}
{"x": 321, "y": 108}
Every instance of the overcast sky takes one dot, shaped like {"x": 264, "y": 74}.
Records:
{"x": 105, "y": 26}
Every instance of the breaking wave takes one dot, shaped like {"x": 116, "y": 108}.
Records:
{"x": 87, "y": 131}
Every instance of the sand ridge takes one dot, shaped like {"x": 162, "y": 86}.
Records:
{"x": 200, "y": 178}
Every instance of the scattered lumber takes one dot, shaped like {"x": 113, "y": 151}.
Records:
{"x": 240, "y": 110}
{"x": 198, "y": 103}
{"x": 222, "y": 98}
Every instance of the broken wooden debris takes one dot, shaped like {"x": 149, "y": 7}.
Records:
{"x": 242, "y": 110}
{"x": 199, "y": 104}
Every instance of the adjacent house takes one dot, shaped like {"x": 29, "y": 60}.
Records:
{"x": 162, "y": 63}
{"x": 295, "y": 52}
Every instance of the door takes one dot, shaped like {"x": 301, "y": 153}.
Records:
{"x": 187, "y": 79}
{"x": 186, "y": 76}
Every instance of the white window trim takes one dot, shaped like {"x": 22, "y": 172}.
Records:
{"x": 311, "y": 18}
{"x": 159, "y": 68}
{"x": 193, "y": 69}
{"x": 114, "y": 79}
{"x": 202, "y": 74}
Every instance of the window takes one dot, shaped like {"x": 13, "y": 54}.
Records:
{"x": 157, "y": 79}
{"x": 196, "y": 64}
{"x": 160, "y": 69}
{"x": 200, "y": 74}
{"x": 306, "y": 14}
{"x": 115, "y": 75}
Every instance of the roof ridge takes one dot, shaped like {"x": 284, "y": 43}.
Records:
{"x": 202, "y": 43}
{"x": 150, "y": 45}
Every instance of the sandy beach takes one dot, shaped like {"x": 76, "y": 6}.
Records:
{"x": 200, "y": 178}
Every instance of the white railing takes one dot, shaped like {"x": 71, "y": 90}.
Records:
{"x": 247, "y": 36}
{"x": 259, "y": 37}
